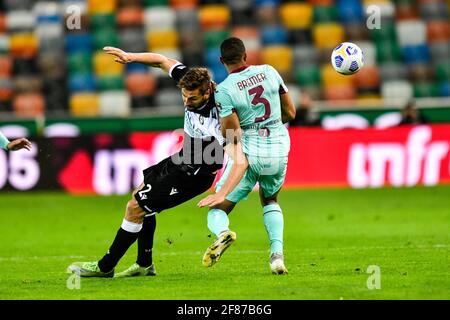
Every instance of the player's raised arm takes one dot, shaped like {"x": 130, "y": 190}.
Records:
{"x": 151, "y": 59}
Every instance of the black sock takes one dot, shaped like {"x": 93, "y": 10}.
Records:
{"x": 145, "y": 242}
{"x": 120, "y": 245}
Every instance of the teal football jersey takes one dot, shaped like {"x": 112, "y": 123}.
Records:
{"x": 253, "y": 92}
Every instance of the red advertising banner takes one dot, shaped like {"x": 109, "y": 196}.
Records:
{"x": 108, "y": 164}
{"x": 400, "y": 156}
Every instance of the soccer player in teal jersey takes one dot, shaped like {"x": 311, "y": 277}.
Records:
{"x": 14, "y": 145}
{"x": 255, "y": 101}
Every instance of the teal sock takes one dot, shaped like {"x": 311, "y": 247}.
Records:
{"x": 273, "y": 221}
{"x": 217, "y": 221}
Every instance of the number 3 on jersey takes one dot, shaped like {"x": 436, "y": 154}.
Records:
{"x": 257, "y": 99}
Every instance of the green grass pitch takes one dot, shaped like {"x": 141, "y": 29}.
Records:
{"x": 331, "y": 238}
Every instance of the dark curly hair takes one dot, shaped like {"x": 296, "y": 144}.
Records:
{"x": 196, "y": 78}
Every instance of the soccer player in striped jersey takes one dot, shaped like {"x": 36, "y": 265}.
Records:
{"x": 255, "y": 101}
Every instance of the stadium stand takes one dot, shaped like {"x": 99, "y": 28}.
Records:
{"x": 51, "y": 57}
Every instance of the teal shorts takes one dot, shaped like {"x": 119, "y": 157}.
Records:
{"x": 269, "y": 172}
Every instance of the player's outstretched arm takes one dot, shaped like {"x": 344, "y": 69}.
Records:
{"x": 151, "y": 59}
{"x": 14, "y": 145}
{"x": 232, "y": 131}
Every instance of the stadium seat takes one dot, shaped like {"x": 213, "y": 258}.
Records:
{"x": 416, "y": 53}
{"x": 5, "y": 66}
{"x": 419, "y": 72}
{"x": 82, "y": 83}
{"x": 20, "y": 21}
{"x": 77, "y": 42}
{"x": 388, "y": 51}
{"x": 438, "y": 30}
{"x": 411, "y": 32}
{"x": 169, "y": 97}
{"x": 25, "y": 66}
{"x": 305, "y": 54}
{"x": 433, "y": 10}
{"x": 266, "y": 15}
{"x": 79, "y": 63}
{"x": 140, "y": 84}
{"x": 299, "y": 36}
{"x": 440, "y": 51}
{"x": 104, "y": 64}
{"x": 104, "y": 37}
{"x": 84, "y": 105}
{"x": 108, "y": 83}
{"x": 187, "y": 19}
{"x": 444, "y": 89}
{"x": 29, "y": 105}
{"x": 4, "y": 43}
{"x": 393, "y": 71}
{"x": 130, "y": 17}
{"x": 254, "y": 56}
{"x": 307, "y": 75}
{"x": 218, "y": 72}
{"x": 6, "y": 89}
{"x": 397, "y": 91}
{"x": 132, "y": 40}
{"x": 159, "y": 19}
{"x": 274, "y": 35}
{"x": 325, "y": 14}
{"x": 2, "y": 23}
{"x": 52, "y": 65}
{"x": 406, "y": 10}
{"x": 27, "y": 83}
{"x": 182, "y": 4}
{"x": 442, "y": 71}
{"x": 350, "y": 11}
{"x": 115, "y": 103}
{"x": 296, "y": 15}
{"x": 214, "y": 16}
{"x": 153, "y": 3}
{"x": 160, "y": 40}
{"x": 213, "y": 38}
{"x": 101, "y": 21}
{"x": 280, "y": 57}
{"x": 367, "y": 78}
{"x": 370, "y": 52}
{"x": 426, "y": 89}
{"x": 354, "y": 32}
{"x": 387, "y": 33}
{"x": 324, "y": 32}
{"x": 330, "y": 77}
{"x": 321, "y": 2}
{"x": 314, "y": 92}
{"x": 101, "y": 6}
{"x": 24, "y": 45}
{"x": 250, "y": 35}
{"x": 340, "y": 92}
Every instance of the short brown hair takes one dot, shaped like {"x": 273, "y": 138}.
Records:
{"x": 196, "y": 78}
{"x": 232, "y": 50}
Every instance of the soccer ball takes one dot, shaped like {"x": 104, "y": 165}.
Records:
{"x": 347, "y": 58}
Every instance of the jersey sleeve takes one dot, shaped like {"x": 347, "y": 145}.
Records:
{"x": 224, "y": 103}
{"x": 178, "y": 71}
{"x": 282, "y": 86}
